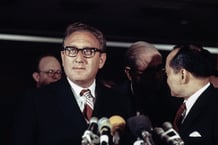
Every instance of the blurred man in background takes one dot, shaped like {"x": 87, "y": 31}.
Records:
{"x": 47, "y": 70}
{"x": 145, "y": 85}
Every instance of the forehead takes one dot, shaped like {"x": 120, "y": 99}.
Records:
{"x": 171, "y": 55}
{"x": 82, "y": 37}
{"x": 145, "y": 60}
{"x": 48, "y": 61}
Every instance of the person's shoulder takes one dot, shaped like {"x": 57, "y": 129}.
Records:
{"x": 60, "y": 84}
{"x": 123, "y": 87}
{"x": 102, "y": 87}
{"x": 213, "y": 91}
{"x": 210, "y": 97}
{"x": 109, "y": 91}
{"x": 48, "y": 90}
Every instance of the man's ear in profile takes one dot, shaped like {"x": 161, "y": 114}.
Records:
{"x": 127, "y": 72}
{"x": 35, "y": 76}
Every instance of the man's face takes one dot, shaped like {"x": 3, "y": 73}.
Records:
{"x": 79, "y": 69}
{"x": 49, "y": 71}
{"x": 173, "y": 78}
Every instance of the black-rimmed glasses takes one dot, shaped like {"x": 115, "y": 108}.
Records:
{"x": 52, "y": 73}
{"x": 87, "y": 52}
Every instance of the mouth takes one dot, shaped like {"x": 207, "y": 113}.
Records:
{"x": 78, "y": 68}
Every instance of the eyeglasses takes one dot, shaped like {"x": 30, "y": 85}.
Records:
{"x": 87, "y": 52}
{"x": 52, "y": 73}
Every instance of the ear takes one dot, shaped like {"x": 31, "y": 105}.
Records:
{"x": 35, "y": 76}
{"x": 103, "y": 58}
{"x": 184, "y": 76}
{"x": 127, "y": 72}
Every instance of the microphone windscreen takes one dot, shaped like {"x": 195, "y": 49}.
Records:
{"x": 103, "y": 124}
{"x": 93, "y": 124}
{"x": 93, "y": 120}
{"x": 117, "y": 123}
{"x": 104, "y": 131}
{"x": 167, "y": 126}
{"x": 158, "y": 130}
{"x": 139, "y": 123}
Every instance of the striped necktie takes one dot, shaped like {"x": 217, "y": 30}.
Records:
{"x": 179, "y": 117}
{"x": 89, "y": 105}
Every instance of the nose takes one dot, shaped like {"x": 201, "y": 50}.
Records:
{"x": 79, "y": 57}
{"x": 80, "y": 53}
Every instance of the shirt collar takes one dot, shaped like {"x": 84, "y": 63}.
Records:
{"x": 77, "y": 89}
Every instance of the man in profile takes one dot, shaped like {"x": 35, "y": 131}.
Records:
{"x": 188, "y": 69}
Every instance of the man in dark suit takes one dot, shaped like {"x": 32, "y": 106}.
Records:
{"x": 188, "y": 68}
{"x": 53, "y": 115}
{"x": 145, "y": 85}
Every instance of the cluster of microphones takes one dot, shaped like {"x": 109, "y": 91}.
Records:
{"x": 106, "y": 131}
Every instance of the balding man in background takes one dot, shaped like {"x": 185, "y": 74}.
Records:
{"x": 145, "y": 85}
{"x": 47, "y": 70}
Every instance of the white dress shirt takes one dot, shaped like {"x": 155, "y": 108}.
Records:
{"x": 76, "y": 91}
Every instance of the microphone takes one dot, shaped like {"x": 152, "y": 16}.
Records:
{"x": 118, "y": 124}
{"x": 139, "y": 142}
{"x": 168, "y": 134}
{"x": 141, "y": 127}
{"x": 104, "y": 128}
{"x": 159, "y": 136}
{"x": 173, "y": 137}
{"x": 90, "y": 135}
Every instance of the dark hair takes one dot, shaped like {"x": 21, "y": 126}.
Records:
{"x": 84, "y": 27}
{"x": 194, "y": 59}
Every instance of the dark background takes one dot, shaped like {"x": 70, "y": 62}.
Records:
{"x": 158, "y": 21}
{"x": 155, "y": 21}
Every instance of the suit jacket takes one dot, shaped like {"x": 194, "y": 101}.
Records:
{"x": 200, "y": 127}
{"x": 51, "y": 116}
{"x": 159, "y": 106}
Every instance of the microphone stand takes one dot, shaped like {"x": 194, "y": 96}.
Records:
{"x": 116, "y": 138}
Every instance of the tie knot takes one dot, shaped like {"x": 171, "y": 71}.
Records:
{"x": 84, "y": 92}
{"x": 89, "y": 105}
{"x": 182, "y": 108}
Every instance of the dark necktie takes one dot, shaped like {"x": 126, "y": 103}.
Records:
{"x": 179, "y": 117}
{"x": 89, "y": 105}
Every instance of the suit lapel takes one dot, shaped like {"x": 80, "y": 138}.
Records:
{"x": 67, "y": 99}
{"x": 200, "y": 105}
